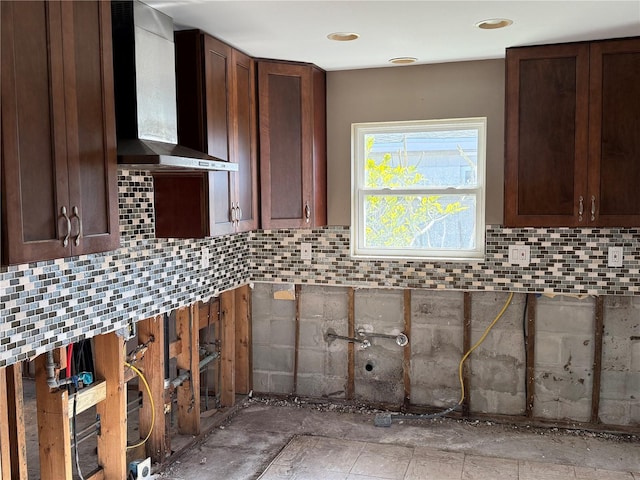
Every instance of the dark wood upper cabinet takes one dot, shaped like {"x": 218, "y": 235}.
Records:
{"x": 59, "y": 181}
{"x": 292, "y": 125}
{"x": 571, "y": 156}
{"x": 216, "y": 114}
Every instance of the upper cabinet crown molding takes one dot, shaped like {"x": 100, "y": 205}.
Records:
{"x": 572, "y": 153}
{"x": 292, "y": 124}
{"x": 59, "y": 184}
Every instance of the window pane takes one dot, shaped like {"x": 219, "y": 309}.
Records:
{"x": 437, "y": 158}
{"x": 420, "y": 221}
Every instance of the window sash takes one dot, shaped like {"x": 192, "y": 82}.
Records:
{"x": 361, "y": 192}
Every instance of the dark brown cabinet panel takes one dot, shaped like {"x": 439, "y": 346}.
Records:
{"x": 292, "y": 126}
{"x": 570, "y": 159}
{"x": 614, "y": 126}
{"x": 58, "y": 131}
{"x": 216, "y": 114}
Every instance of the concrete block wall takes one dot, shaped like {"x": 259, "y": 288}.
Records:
{"x": 564, "y": 357}
{"x": 322, "y": 365}
{"x": 437, "y": 319}
{"x": 497, "y": 382}
{"x": 273, "y": 340}
{"x": 378, "y": 369}
{"x": 620, "y": 387}
{"x": 564, "y": 346}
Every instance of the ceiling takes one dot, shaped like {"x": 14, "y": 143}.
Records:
{"x": 431, "y": 31}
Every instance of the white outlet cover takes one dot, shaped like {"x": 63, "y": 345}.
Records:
{"x": 305, "y": 251}
{"x": 519, "y": 255}
{"x": 615, "y": 256}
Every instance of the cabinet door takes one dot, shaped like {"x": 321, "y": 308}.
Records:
{"x": 34, "y": 147}
{"x": 546, "y": 136}
{"x": 286, "y": 176}
{"x": 90, "y": 121}
{"x": 244, "y": 144}
{"x": 614, "y": 123}
{"x": 217, "y": 85}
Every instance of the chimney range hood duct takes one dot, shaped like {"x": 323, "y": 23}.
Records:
{"x": 145, "y": 93}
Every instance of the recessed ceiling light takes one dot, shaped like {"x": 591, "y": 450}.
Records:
{"x": 403, "y": 60}
{"x": 343, "y": 36}
{"x": 493, "y": 23}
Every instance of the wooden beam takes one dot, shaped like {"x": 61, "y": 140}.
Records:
{"x": 175, "y": 348}
{"x": 466, "y": 345}
{"x": 296, "y": 349}
{"x": 530, "y": 346}
{"x": 98, "y": 475}
{"x": 152, "y": 365}
{"x": 5, "y": 444}
{"x": 188, "y": 393}
{"x": 244, "y": 364}
{"x": 597, "y": 360}
{"x": 109, "y": 355}
{"x": 227, "y": 349}
{"x": 351, "y": 333}
{"x": 15, "y": 411}
{"x": 54, "y": 435}
{"x": 208, "y": 312}
{"x": 406, "y": 362}
{"x": 88, "y": 397}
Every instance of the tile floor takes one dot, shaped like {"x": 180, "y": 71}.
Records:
{"x": 267, "y": 439}
{"x": 322, "y": 458}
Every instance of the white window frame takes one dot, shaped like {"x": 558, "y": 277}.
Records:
{"x": 359, "y": 191}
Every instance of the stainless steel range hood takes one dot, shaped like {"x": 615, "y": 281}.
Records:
{"x": 145, "y": 93}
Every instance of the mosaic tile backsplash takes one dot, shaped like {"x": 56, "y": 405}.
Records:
{"x": 50, "y": 304}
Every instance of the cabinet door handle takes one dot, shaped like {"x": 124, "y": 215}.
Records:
{"x": 307, "y": 212}
{"x": 238, "y": 212}
{"x": 76, "y": 213}
{"x": 580, "y": 208}
{"x": 65, "y": 240}
{"x": 233, "y": 213}
{"x": 593, "y": 207}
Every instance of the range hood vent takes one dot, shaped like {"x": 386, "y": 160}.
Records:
{"x": 145, "y": 93}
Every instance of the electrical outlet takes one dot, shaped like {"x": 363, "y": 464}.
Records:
{"x": 616, "y": 256}
{"x": 305, "y": 251}
{"x": 519, "y": 254}
{"x": 205, "y": 258}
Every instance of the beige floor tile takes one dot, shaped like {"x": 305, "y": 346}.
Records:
{"x": 486, "y": 468}
{"x": 295, "y": 452}
{"x": 332, "y": 455}
{"x": 320, "y": 474}
{"x": 397, "y": 451}
{"x": 545, "y": 471}
{"x": 432, "y": 468}
{"x": 354, "y": 476}
{"x": 277, "y": 472}
{"x": 599, "y": 474}
{"x": 438, "y": 455}
{"x": 381, "y": 466}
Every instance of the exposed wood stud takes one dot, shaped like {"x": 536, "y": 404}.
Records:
{"x": 597, "y": 360}
{"x": 351, "y": 332}
{"x": 152, "y": 365}
{"x": 406, "y": 364}
{"x": 17, "y": 435}
{"x": 530, "y": 345}
{"x": 112, "y": 455}
{"x": 466, "y": 345}
{"x": 54, "y": 434}
{"x": 227, "y": 349}
{"x": 188, "y": 392}
{"x": 244, "y": 364}
{"x": 296, "y": 354}
{"x": 5, "y": 445}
